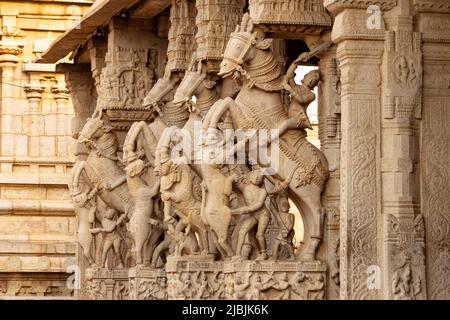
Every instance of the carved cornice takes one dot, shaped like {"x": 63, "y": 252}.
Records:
{"x": 336, "y": 6}
{"x": 438, "y": 6}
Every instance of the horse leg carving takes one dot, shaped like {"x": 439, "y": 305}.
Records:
{"x": 314, "y": 215}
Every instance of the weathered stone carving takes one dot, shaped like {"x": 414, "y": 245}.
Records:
{"x": 253, "y": 213}
{"x": 248, "y": 53}
{"x": 178, "y": 191}
{"x": 215, "y": 21}
{"x": 143, "y": 192}
{"x": 125, "y": 83}
{"x": 112, "y": 239}
{"x": 102, "y": 164}
{"x": 181, "y": 35}
{"x": 274, "y": 281}
{"x": 104, "y": 284}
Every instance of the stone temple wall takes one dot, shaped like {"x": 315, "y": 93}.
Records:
{"x": 373, "y": 201}
{"x": 37, "y": 221}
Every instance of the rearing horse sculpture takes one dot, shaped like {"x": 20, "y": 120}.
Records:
{"x": 259, "y": 106}
{"x": 102, "y": 164}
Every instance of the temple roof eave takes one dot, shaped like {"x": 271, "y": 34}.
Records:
{"x": 98, "y": 15}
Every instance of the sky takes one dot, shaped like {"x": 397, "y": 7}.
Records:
{"x": 312, "y": 109}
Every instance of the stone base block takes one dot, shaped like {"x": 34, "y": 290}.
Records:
{"x": 104, "y": 284}
{"x": 148, "y": 284}
{"x": 199, "y": 277}
{"x": 195, "y": 277}
{"x": 275, "y": 280}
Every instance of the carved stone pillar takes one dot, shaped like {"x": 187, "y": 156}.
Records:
{"x": 63, "y": 130}
{"x": 433, "y": 21}
{"x": 403, "y": 226}
{"x": 359, "y": 54}
{"x": 182, "y": 44}
{"x": 129, "y": 69}
{"x": 34, "y": 117}
{"x": 215, "y": 20}
{"x": 330, "y": 141}
{"x": 11, "y": 47}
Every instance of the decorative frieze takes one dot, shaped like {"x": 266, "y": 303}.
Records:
{"x": 104, "y": 284}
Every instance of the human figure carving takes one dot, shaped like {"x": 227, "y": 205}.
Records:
{"x": 112, "y": 238}
{"x": 257, "y": 286}
{"x": 85, "y": 210}
{"x": 286, "y": 221}
{"x": 404, "y": 286}
{"x": 143, "y": 195}
{"x": 216, "y": 192}
{"x": 302, "y": 96}
{"x": 254, "y": 213}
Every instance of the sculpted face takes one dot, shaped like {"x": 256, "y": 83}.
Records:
{"x": 256, "y": 177}
{"x": 165, "y": 168}
{"x": 311, "y": 79}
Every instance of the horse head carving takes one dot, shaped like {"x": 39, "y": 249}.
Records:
{"x": 98, "y": 134}
{"x": 192, "y": 80}
{"x": 159, "y": 94}
{"x": 243, "y": 46}
{"x": 94, "y": 128}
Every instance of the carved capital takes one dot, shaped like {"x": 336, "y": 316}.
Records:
{"x": 60, "y": 94}
{"x": 9, "y": 55}
{"x": 11, "y": 45}
{"x": 353, "y": 24}
{"x": 34, "y": 92}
